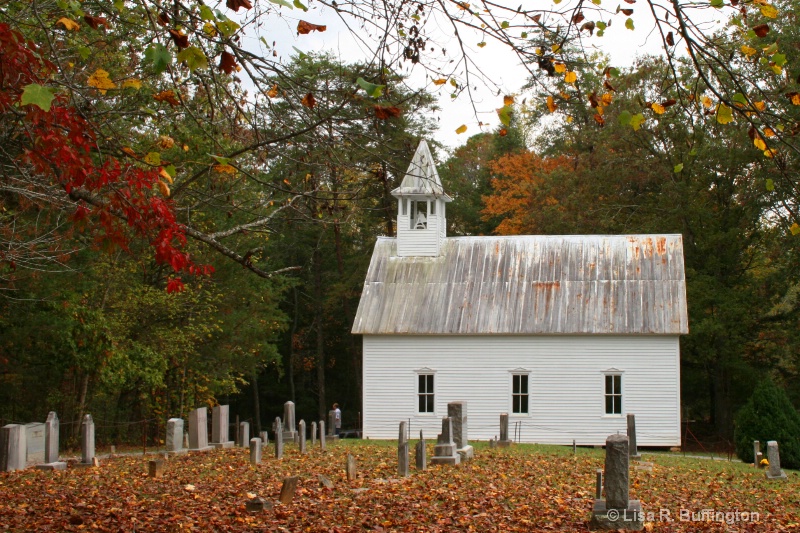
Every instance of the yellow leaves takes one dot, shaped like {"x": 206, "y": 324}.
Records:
{"x": 166, "y": 142}
{"x": 209, "y": 29}
{"x": 132, "y": 84}
{"x": 508, "y": 100}
{"x": 760, "y": 106}
{"x": 748, "y": 51}
{"x": 769, "y": 11}
{"x": 551, "y": 104}
{"x": 777, "y": 69}
{"x": 164, "y": 188}
{"x": 560, "y": 67}
{"x": 167, "y": 96}
{"x": 555, "y": 48}
{"x": 796, "y": 98}
{"x": 440, "y": 81}
{"x": 225, "y": 169}
{"x": 770, "y": 152}
{"x": 69, "y": 24}
{"x": 461, "y": 129}
{"x": 769, "y": 133}
{"x": 724, "y": 114}
{"x": 164, "y": 174}
{"x": 481, "y": 44}
{"x": 707, "y": 103}
{"x": 658, "y": 109}
{"x": 606, "y": 99}
{"x": 759, "y": 143}
{"x": 795, "y": 229}
{"x": 570, "y": 77}
{"x": 100, "y": 81}
{"x": 273, "y": 93}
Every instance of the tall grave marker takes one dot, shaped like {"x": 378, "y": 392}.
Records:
{"x": 617, "y": 511}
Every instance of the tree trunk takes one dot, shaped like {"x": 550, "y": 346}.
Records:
{"x": 319, "y": 319}
{"x": 256, "y": 405}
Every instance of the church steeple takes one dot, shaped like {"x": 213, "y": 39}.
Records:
{"x": 421, "y": 221}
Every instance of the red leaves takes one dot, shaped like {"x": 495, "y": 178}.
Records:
{"x": 163, "y": 18}
{"x": 95, "y": 22}
{"x": 236, "y": 4}
{"x": 181, "y": 40}
{"x": 578, "y": 18}
{"x": 175, "y": 285}
{"x": 761, "y": 30}
{"x": 627, "y": 12}
{"x": 227, "y": 62}
{"x": 309, "y": 101}
{"x": 304, "y": 27}
{"x": 385, "y": 113}
{"x": 670, "y": 39}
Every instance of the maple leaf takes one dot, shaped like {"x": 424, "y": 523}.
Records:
{"x": 304, "y": 27}
{"x": 227, "y": 62}
{"x": 100, "y": 81}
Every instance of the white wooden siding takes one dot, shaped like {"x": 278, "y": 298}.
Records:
{"x": 418, "y": 242}
{"x": 566, "y": 385}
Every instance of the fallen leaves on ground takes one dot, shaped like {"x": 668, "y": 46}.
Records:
{"x": 524, "y": 488}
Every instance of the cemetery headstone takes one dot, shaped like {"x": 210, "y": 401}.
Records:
{"x": 257, "y": 505}
{"x": 445, "y": 450}
{"x": 264, "y": 438}
{"x": 51, "y": 432}
{"x": 12, "y": 448}
{"x": 322, "y": 435}
{"x": 759, "y": 457}
{"x": 155, "y": 468}
{"x": 351, "y": 468}
{"x": 331, "y": 424}
{"x": 255, "y": 451}
{"x": 174, "y": 441}
{"x": 289, "y": 431}
{"x": 34, "y": 442}
{"x": 492, "y": 443}
{"x": 774, "y": 471}
{"x": 186, "y": 440}
{"x": 756, "y": 452}
{"x": 402, "y": 451}
{"x": 313, "y": 434}
{"x": 244, "y": 434}
{"x": 617, "y": 511}
{"x": 302, "y": 436}
{"x": 458, "y": 412}
{"x": 633, "y": 450}
{"x": 420, "y": 453}
{"x": 288, "y": 489}
{"x": 198, "y": 430}
{"x": 87, "y": 441}
{"x": 278, "y": 439}
{"x": 504, "y": 441}
{"x": 325, "y": 481}
{"x": 598, "y": 484}
{"x": 220, "y": 428}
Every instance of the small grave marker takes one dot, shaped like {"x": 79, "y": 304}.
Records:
{"x": 774, "y": 471}
{"x": 351, "y": 468}
{"x": 155, "y": 468}
{"x": 255, "y": 451}
{"x": 302, "y": 436}
{"x": 402, "y": 451}
{"x": 420, "y": 453}
{"x": 288, "y": 489}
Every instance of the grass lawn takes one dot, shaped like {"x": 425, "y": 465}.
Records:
{"x": 524, "y": 488}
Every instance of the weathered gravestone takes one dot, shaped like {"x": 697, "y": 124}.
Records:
{"x": 302, "y": 436}
{"x": 12, "y": 448}
{"x": 617, "y": 511}
{"x": 51, "y": 432}
{"x": 445, "y": 450}
{"x": 220, "y": 427}
{"x": 155, "y": 468}
{"x": 402, "y": 451}
{"x": 420, "y": 453}
{"x": 34, "y": 442}
{"x": 774, "y": 471}
{"x": 174, "y": 441}
{"x": 288, "y": 489}
{"x": 255, "y": 451}
{"x": 332, "y": 424}
{"x": 504, "y": 441}
{"x": 264, "y": 438}
{"x": 257, "y": 505}
{"x": 458, "y": 412}
{"x": 244, "y": 434}
{"x": 198, "y": 430}
{"x": 289, "y": 431}
{"x": 278, "y": 439}
{"x": 351, "y": 468}
{"x": 313, "y": 434}
{"x": 598, "y": 484}
{"x": 325, "y": 481}
{"x": 322, "y": 435}
{"x": 632, "y": 450}
{"x": 756, "y": 452}
{"x": 87, "y": 442}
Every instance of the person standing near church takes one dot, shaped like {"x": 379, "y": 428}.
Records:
{"x": 337, "y": 419}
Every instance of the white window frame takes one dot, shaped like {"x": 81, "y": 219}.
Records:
{"x": 417, "y": 393}
{"x": 518, "y": 372}
{"x": 613, "y": 372}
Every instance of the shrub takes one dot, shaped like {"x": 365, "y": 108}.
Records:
{"x": 769, "y": 415}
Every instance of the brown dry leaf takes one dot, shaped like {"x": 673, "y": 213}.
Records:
{"x": 304, "y": 27}
{"x": 508, "y": 100}
{"x": 503, "y": 132}
{"x": 600, "y": 120}
{"x": 167, "y": 96}
{"x": 227, "y": 62}
{"x": 164, "y": 174}
{"x": 236, "y": 4}
{"x": 129, "y": 151}
{"x": 225, "y": 169}
{"x": 309, "y": 101}
{"x": 588, "y": 26}
{"x": 669, "y": 102}
{"x": 578, "y": 18}
{"x": 165, "y": 142}
{"x": 273, "y": 93}
{"x": 163, "y": 18}
{"x": 761, "y": 30}
{"x": 95, "y": 22}
{"x": 164, "y": 188}
{"x": 593, "y": 101}
{"x": 385, "y": 113}
{"x": 551, "y": 104}
{"x": 627, "y": 12}
{"x": 181, "y": 39}
{"x": 609, "y": 86}
{"x": 670, "y": 39}
{"x": 440, "y": 81}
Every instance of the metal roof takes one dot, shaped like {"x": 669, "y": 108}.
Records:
{"x": 593, "y": 284}
{"x": 422, "y": 178}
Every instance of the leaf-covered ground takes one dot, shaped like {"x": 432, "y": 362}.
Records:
{"x": 525, "y": 488}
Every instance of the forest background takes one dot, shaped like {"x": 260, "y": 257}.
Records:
{"x": 186, "y": 221}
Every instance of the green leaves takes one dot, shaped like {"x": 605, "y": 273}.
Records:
{"x": 299, "y": 5}
{"x": 677, "y": 168}
{"x": 627, "y": 119}
{"x": 283, "y": 3}
{"x": 206, "y": 13}
{"x": 194, "y": 58}
{"x": 636, "y": 121}
{"x": 35, "y": 94}
{"x": 629, "y": 23}
{"x": 158, "y": 56}
{"x": 373, "y": 90}
{"x": 724, "y": 114}
{"x": 504, "y": 113}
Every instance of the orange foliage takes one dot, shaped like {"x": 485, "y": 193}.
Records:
{"x": 517, "y": 190}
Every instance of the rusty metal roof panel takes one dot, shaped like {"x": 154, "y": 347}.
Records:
{"x": 596, "y": 284}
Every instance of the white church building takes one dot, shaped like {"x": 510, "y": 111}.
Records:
{"x": 566, "y": 334}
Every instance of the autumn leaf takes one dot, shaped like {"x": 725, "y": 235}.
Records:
{"x": 194, "y": 58}
{"x": 225, "y": 169}
{"x": 769, "y": 132}
{"x": 309, "y": 101}
{"x": 761, "y": 30}
{"x": 273, "y": 93}
{"x": 167, "y": 96}
{"x": 153, "y": 158}
{"x": 100, "y": 81}
{"x": 164, "y": 174}
{"x": 227, "y": 62}
{"x": 589, "y": 26}
{"x": 795, "y": 229}
{"x": 608, "y": 86}
{"x": 461, "y": 129}
{"x": 795, "y": 97}
{"x": 600, "y": 120}
{"x": 440, "y": 81}
{"x": 551, "y": 104}
{"x": 724, "y": 114}
{"x": 132, "y": 84}
{"x": 670, "y": 39}
{"x": 707, "y": 103}
{"x": 69, "y": 24}
{"x": 165, "y": 142}
{"x": 236, "y": 4}
{"x": 578, "y": 18}
{"x": 570, "y": 77}
{"x": 593, "y": 101}
{"x": 748, "y": 51}
{"x": 164, "y": 188}
{"x": 769, "y": 11}
{"x": 385, "y": 113}
{"x": 627, "y": 12}
{"x": 180, "y": 39}
{"x": 759, "y": 143}
{"x": 607, "y": 98}
{"x": 559, "y": 67}
{"x": 508, "y": 100}
{"x": 637, "y": 120}
{"x": 304, "y": 27}
{"x": 128, "y": 150}
{"x": 95, "y": 22}
{"x": 504, "y": 114}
